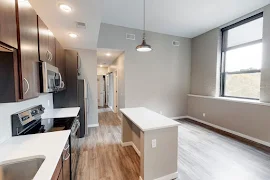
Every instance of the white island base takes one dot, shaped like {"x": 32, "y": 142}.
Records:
{"x": 155, "y": 139}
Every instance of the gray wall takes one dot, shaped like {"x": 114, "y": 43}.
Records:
{"x": 204, "y": 65}
{"x": 158, "y": 80}
{"x": 118, "y": 65}
{"x": 265, "y": 76}
{"x": 88, "y": 71}
{"x": 248, "y": 119}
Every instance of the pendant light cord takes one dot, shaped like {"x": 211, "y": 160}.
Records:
{"x": 144, "y": 19}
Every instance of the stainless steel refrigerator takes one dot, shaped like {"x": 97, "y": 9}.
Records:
{"x": 83, "y": 103}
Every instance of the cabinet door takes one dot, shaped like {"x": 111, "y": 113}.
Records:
{"x": 52, "y": 49}
{"x": 43, "y": 39}
{"x": 28, "y": 51}
{"x": 8, "y": 28}
{"x": 66, "y": 164}
{"x": 60, "y": 60}
{"x": 60, "y": 177}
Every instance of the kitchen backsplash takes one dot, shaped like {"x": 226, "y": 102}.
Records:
{"x": 6, "y": 109}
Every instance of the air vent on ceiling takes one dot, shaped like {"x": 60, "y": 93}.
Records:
{"x": 130, "y": 36}
{"x": 80, "y": 25}
{"x": 176, "y": 43}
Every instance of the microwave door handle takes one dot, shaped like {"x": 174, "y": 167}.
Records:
{"x": 60, "y": 80}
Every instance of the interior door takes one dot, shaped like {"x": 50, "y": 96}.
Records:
{"x": 101, "y": 91}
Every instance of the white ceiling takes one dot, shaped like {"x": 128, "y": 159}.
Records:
{"x": 61, "y": 23}
{"x": 105, "y": 60}
{"x": 186, "y": 18}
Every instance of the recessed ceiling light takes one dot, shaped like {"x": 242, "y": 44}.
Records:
{"x": 100, "y": 65}
{"x": 65, "y": 7}
{"x": 73, "y": 35}
{"x": 108, "y": 54}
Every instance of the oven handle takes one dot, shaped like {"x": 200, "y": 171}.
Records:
{"x": 77, "y": 125}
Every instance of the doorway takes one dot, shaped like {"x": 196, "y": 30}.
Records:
{"x": 112, "y": 91}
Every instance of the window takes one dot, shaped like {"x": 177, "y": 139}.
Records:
{"x": 242, "y": 58}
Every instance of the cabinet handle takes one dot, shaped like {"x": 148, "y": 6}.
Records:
{"x": 47, "y": 55}
{"x": 50, "y": 56}
{"x": 66, "y": 158}
{"x": 66, "y": 148}
{"x": 28, "y": 86}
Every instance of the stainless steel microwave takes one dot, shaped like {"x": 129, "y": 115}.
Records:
{"x": 51, "y": 79}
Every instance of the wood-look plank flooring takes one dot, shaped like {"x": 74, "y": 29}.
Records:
{"x": 102, "y": 157}
{"x": 202, "y": 155}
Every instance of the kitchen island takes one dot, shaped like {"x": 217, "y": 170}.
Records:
{"x": 155, "y": 139}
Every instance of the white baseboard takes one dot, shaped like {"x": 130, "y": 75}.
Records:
{"x": 179, "y": 117}
{"x": 169, "y": 176}
{"x": 93, "y": 125}
{"x": 231, "y": 131}
{"x": 133, "y": 145}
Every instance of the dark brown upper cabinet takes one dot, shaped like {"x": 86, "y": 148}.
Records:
{"x": 52, "y": 49}
{"x": 8, "y": 28}
{"x": 46, "y": 43}
{"x": 28, "y": 51}
{"x": 60, "y": 60}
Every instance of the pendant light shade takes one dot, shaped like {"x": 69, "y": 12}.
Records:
{"x": 144, "y": 47}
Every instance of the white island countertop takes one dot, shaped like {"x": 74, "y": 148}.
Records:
{"x": 61, "y": 113}
{"x": 45, "y": 145}
{"x": 147, "y": 120}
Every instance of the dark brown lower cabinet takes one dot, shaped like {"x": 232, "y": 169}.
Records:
{"x": 66, "y": 166}
{"x": 62, "y": 170}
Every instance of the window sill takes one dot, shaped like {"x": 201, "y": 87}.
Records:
{"x": 246, "y": 101}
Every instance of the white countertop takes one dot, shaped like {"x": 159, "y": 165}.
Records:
{"x": 147, "y": 120}
{"x": 47, "y": 145}
{"x": 61, "y": 113}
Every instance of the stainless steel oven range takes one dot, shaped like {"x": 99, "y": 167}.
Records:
{"x": 29, "y": 121}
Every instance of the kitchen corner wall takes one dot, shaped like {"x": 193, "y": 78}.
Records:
{"x": 6, "y": 109}
{"x": 88, "y": 71}
{"x": 242, "y": 117}
{"x": 119, "y": 66}
{"x": 158, "y": 80}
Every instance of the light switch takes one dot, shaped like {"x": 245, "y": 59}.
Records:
{"x": 154, "y": 143}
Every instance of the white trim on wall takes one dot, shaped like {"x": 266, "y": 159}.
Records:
{"x": 179, "y": 117}
{"x": 238, "y": 100}
{"x": 133, "y": 145}
{"x": 231, "y": 131}
{"x": 169, "y": 176}
{"x": 93, "y": 125}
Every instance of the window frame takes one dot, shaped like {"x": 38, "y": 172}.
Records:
{"x": 224, "y": 49}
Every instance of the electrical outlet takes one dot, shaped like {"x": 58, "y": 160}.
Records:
{"x": 203, "y": 114}
{"x": 154, "y": 143}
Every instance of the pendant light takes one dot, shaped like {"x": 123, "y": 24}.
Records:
{"x": 144, "y": 47}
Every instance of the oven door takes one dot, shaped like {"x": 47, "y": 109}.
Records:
{"x": 75, "y": 148}
{"x": 51, "y": 78}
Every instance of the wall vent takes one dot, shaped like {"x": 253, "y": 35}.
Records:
{"x": 80, "y": 25}
{"x": 176, "y": 43}
{"x": 130, "y": 36}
